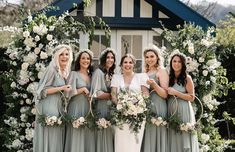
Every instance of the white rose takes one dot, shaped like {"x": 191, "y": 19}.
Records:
{"x": 36, "y": 29}
{"x": 208, "y": 83}
{"x": 30, "y": 58}
{"x": 213, "y": 79}
{"x": 205, "y": 137}
{"x": 51, "y": 28}
{"x": 26, "y": 34}
{"x": 214, "y": 72}
{"x": 29, "y": 42}
{"x": 37, "y": 38}
{"x": 13, "y": 85}
{"x": 37, "y": 50}
{"x": 205, "y": 148}
{"x": 16, "y": 143}
{"x": 206, "y": 43}
{"x": 29, "y": 134}
{"x": 49, "y": 37}
{"x": 191, "y": 48}
{"x": 119, "y": 106}
{"x": 153, "y": 120}
{"x": 213, "y": 63}
{"x": 205, "y": 73}
{"x": 210, "y": 106}
{"x": 40, "y": 74}
{"x": 201, "y": 60}
{"x": 82, "y": 119}
{"x": 24, "y": 66}
{"x": 28, "y": 101}
{"x": 30, "y": 18}
{"x": 43, "y": 55}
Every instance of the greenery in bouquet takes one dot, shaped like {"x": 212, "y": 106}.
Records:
{"x": 131, "y": 108}
{"x": 179, "y": 126}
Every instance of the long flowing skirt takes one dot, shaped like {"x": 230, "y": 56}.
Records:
{"x": 126, "y": 140}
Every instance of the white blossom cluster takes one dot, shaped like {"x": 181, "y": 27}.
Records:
{"x": 188, "y": 127}
{"x": 131, "y": 103}
{"x": 53, "y": 120}
{"x": 210, "y": 102}
{"x": 158, "y": 121}
{"x": 102, "y": 123}
{"x": 81, "y": 121}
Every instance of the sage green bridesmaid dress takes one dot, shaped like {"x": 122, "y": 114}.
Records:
{"x": 155, "y": 137}
{"x": 181, "y": 141}
{"x": 104, "y": 137}
{"x": 49, "y": 138}
{"x": 80, "y": 139}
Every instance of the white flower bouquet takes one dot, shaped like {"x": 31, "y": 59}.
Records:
{"x": 158, "y": 121}
{"x": 79, "y": 122}
{"x": 187, "y": 127}
{"x": 131, "y": 108}
{"x": 50, "y": 120}
{"x": 102, "y": 123}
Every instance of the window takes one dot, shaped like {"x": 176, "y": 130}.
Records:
{"x": 99, "y": 43}
{"x": 133, "y": 44}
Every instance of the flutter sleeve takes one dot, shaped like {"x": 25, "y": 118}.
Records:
{"x": 73, "y": 82}
{"x": 143, "y": 77}
{"x": 98, "y": 83}
{"x": 45, "y": 82}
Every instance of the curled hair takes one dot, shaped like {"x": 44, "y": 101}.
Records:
{"x": 182, "y": 76}
{"x": 77, "y": 64}
{"x": 153, "y": 48}
{"x": 103, "y": 58}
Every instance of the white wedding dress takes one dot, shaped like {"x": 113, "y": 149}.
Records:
{"x": 125, "y": 139}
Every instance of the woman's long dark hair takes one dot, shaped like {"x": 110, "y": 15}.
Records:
{"x": 102, "y": 64}
{"x": 77, "y": 64}
{"x": 182, "y": 77}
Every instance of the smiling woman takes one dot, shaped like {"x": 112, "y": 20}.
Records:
{"x": 78, "y": 137}
{"x": 48, "y": 102}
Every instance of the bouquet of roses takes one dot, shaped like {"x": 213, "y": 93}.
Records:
{"x": 131, "y": 108}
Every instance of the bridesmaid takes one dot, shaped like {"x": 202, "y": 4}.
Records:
{"x": 100, "y": 86}
{"x": 50, "y": 138}
{"x": 155, "y": 137}
{"x": 182, "y": 87}
{"x": 78, "y": 137}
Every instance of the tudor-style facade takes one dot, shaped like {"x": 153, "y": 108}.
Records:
{"x": 134, "y": 23}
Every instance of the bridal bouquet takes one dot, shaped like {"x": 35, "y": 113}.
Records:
{"x": 131, "y": 108}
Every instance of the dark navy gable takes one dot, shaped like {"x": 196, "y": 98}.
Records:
{"x": 63, "y": 5}
{"x": 177, "y": 12}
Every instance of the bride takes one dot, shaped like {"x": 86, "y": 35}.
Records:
{"x": 125, "y": 139}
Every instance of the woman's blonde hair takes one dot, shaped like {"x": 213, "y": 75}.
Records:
{"x": 55, "y": 60}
